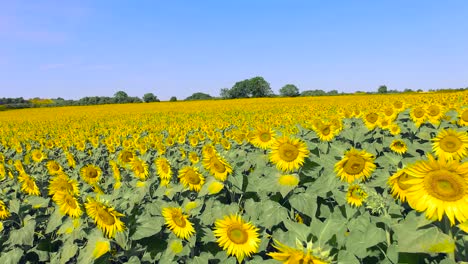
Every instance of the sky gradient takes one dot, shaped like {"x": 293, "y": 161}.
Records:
{"x": 72, "y": 49}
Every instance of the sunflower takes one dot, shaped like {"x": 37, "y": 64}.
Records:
{"x": 4, "y": 213}
{"x": 191, "y": 178}
{"x": 355, "y": 195}
{"x": 91, "y": 173}
{"x": 101, "y": 248}
{"x": 115, "y": 170}
{"x": 463, "y": 117}
{"x": 163, "y": 169}
{"x": 126, "y": 156}
{"x": 70, "y": 160}
{"x": 19, "y": 166}
{"x": 217, "y": 166}
{"x": 237, "y": 237}
{"x": 53, "y": 167}
{"x": 399, "y": 183}
{"x": 215, "y": 187}
{"x": 62, "y": 184}
{"x": 178, "y": 222}
{"x": 450, "y": 144}
{"x": 394, "y": 129}
{"x": 439, "y": 187}
{"x": 68, "y": 204}
{"x": 2, "y": 171}
{"x": 28, "y": 184}
{"x": 303, "y": 254}
{"x": 398, "y": 146}
{"x": 371, "y": 120}
{"x": 384, "y": 123}
{"x": 193, "y": 157}
{"x": 226, "y": 144}
{"x": 434, "y": 113}
{"x": 105, "y": 217}
{"x": 140, "y": 168}
{"x": 418, "y": 115}
{"x": 263, "y": 137}
{"x": 288, "y": 154}
{"x": 37, "y": 155}
{"x": 390, "y": 113}
{"x": 325, "y": 132}
{"x": 355, "y": 165}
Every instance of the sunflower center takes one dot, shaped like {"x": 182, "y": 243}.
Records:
{"x": 357, "y": 193}
{"x": 265, "y": 137}
{"x": 92, "y": 173}
{"x": 464, "y": 116}
{"x": 54, "y": 167}
{"x": 450, "y": 143}
{"x": 30, "y": 184}
{"x": 398, "y": 144}
{"x": 179, "y": 219}
{"x": 433, "y": 110}
{"x": 127, "y": 156}
{"x": 237, "y": 235}
{"x": 445, "y": 185}
{"x": 326, "y": 130}
{"x": 37, "y": 155}
{"x": 105, "y": 217}
{"x": 139, "y": 168}
{"x": 288, "y": 152}
{"x": 217, "y": 165}
{"x": 398, "y": 104}
{"x": 192, "y": 177}
{"x": 354, "y": 165}
{"x": 70, "y": 201}
{"x": 419, "y": 112}
{"x": 372, "y": 117}
{"x": 402, "y": 181}
{"x": 388, "y": 111}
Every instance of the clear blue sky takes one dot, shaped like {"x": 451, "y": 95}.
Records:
{"x": 73, "y": 49}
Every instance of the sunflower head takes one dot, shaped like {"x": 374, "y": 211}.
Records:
{"x": 178, "y": 222}
{"x": 355, "y": 165}
{"x": 126, "y": 156}
{"x": 37, "y": 155}
{"x": 62, "y": 184}
{"x": 91, "y": 173}
{"x": 4, "y": 213}
{"x": 28, "y": 184}
{"x": 105, "y": 217}
{"x": 288, "y": 154}
{"x": 451, "y": 144}
{"x": 398, "y": 146}
{"x": 217, "y": 166}
{"x": 400, "y": 182}
{"x": 68, "y": 204}
{"x": 263, "y": 137}
{"x": 356, "y": 195}
{"x": 139, "y": 168}
{"x": 238, "y": 238}
{"x": 463, "y": 117}
{"x": 300, "y": 254}
{"x": 191, "y": 178}
{"x": 53, "y": 167}
{"x": 163, "y": 167}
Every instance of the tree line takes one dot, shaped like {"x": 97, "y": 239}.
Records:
{"x": 255, "y": 87}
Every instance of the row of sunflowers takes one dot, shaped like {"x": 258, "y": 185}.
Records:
{"x": 276, "y": 180}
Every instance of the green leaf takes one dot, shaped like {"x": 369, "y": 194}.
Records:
{"x": 430, "y": 240}
{"x": 347, "y": 257}
{"x": 272, "y": 213}
{"x": 147, "y": 226}
{"x": 55, "y": 220}
{"x": 305, "y": 203}
{"x": 335, "y": 224}
{"x": 24, "y": 235}
{"x": 38, "y": 202}
{"x": 68, "y": 251}
{"x": 12, "y": 256}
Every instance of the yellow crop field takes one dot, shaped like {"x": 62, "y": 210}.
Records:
{"x": 349, "y": 179}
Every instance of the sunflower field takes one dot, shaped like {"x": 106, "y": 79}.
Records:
{"x": 344, "y": 179}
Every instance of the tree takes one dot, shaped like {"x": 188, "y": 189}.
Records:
{"x": 254, "y": 87}
{"x": 313, "y": 93}
{"x": 333, "y": 92}
{"x": 121, "y": 96}
{"x": 382, "y": 89}
{"x": 240, "y": 90}
{"x": 199, "y": 96}
{"x": 225, "y": 93}
{"x": 289, "y": 90}
{"x": 258, "y": 87}
{"x": 173, "y": 99}
{"x": 150, "y": 97}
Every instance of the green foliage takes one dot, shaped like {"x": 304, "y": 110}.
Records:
{"x": 254, "y": 87}
{"x": 173, "y": 99}
{"x": 150, "y": 97}
{"x": 199, "y": 96}
{"x": 382, "y": 89}
{"x": 289, "y": 90}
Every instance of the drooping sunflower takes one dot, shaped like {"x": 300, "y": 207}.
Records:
{"x": 217, "y": 166}
{"x": 140, "y": 168}
{"x": 398, "y": 146}
{"x": 28, "y": 184}
{"x": 355, "y": 195}
{"x": 418, "y": 115}
{"x": 53, "y": 167}
{"x": 191, "y": 178}
{"x": 19, "y": 166}
{"x": 451, "y": 144}
{"x": 70, "y": 160}
{"x": 91, "y": 174}
{"x": 4, "y": 213}
{"x": 105, "y": 217}
{"x": 400, "y": 183}
{"x": 303, "y": 254}
{"x": 463, "y": 117}
{"x": 288, "y": 154}
{"x": 62, "y": 184}
{"x": 163, "y": 167}
{"x": 238, "y": 238}
{"x": 263, "y": 137}
{"x": 438, "y": 188}
{"x": 178, "y": 222}
{"x": 115, "y": 170}
{"x": 68, "y": 204}
{"x": 125, "y": 157}
{"x": 355, "y": 165}
{"x": 37, "y": 155}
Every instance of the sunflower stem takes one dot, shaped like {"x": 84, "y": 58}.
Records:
{"x": 448, "y": 230}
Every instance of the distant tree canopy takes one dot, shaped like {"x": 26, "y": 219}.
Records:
{"x": 289, "y": 90}
{"x": 199, "y": 96}
{"x": 150, "y": 97}
{"x": 254, "y": 87}
{"x": 173, "y": 99}
{"x": 313, "y": 93}
{"x": 382, "y": 89}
